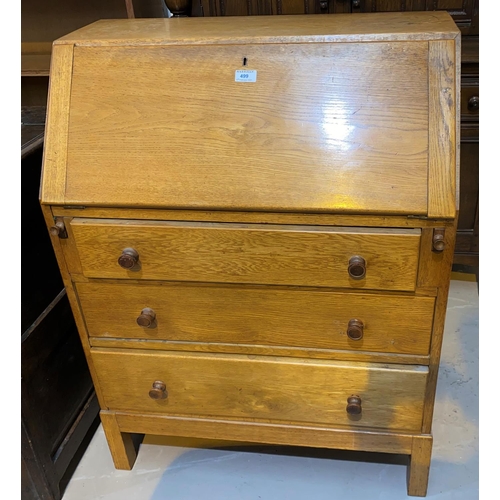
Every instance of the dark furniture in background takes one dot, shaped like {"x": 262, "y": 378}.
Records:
{"x": 58, "y": 403}
{"x": 466, "y": 15}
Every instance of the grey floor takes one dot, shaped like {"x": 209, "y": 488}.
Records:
{"x": 182, "y": 469}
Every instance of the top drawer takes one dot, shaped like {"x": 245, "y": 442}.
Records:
{"x": 250, "y": 253}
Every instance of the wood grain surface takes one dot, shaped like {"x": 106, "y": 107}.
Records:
{"x": 260, "y": 387}
{"x": 443, "y": 271}
{"x": 249, "y": 253}
{"x": 53, "y": 184}
{"x": 183, "y": 134}
{"x": 251, "y": 349}
{"x": 120, "y": 443}
{"x": 420, "y": 462}
{"x": 443, "y": 113}
{"x": 346, "y": 220}
{"x": 73, "y": 299}
{"x": 258, "y": 316}
{"x": 264, "y": 432}
{"x": 373, "y": 27}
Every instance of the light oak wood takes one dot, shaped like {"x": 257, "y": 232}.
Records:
{"x": 420, "y": 461}
{"x": 53, "y": 185}
{"x": 293, "y": 255}
{"x": 73, "y": 301}
{"x": 444, "y": 272}
{"x": 70, "y": 250}
{"x": 259, "y": 316}
{"x": 242, "y": 206}
{"x": 240, "y": 147}
{"x": 254, "y": 387}
{"x": 458, "y": 78}
{"x": 296, "y": 352}
{"x": 419, "y": 291}
{"x": 442, "y": 129}
{"x": 251, "y": 217}
{"x": 120, "y": 443}
{"x": 264, "y": 432}
{"x": 283, "y": 29}
{"x": 434, "y": 267}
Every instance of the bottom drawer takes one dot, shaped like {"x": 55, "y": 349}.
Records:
{"x": 262, "y": 387}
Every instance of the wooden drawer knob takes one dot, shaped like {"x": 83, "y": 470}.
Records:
{"x": 159, "y": 390}
{"x": 353, "y": 405}
{"x": 355, "y": 329}
{"x": 58, "y": 229}
{"x": 473, "y": 103}
{"x": 357, "y": 267}
{"x": 147, "y": 318}
{"x": 129, "y": 258}
{"x": 438, "y": 240}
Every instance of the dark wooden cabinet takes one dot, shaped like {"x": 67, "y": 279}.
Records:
{"x": 467, "y": 246}
{"x": 58, "y": 404}
{"x": 464, "y": 12}
{"x": 269, "y": 7}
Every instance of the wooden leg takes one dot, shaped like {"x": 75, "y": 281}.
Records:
{"x": 418, "y": 469}
{"x": 122, "y": 446}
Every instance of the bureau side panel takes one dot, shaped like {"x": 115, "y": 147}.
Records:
{"x": 53, "y": 184}
{"x": 441, "y": 276}
{"x": 73, "y": 300}
{"x": 442, "y": 129}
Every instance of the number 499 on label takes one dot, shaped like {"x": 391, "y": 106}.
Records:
{"x": 245, "y": 75}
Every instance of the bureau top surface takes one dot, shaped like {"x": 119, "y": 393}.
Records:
{"x": 338, "y": 114}
{"x": 267, "y": 29}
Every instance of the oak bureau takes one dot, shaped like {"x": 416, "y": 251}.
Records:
{"x": 254, "y": 219}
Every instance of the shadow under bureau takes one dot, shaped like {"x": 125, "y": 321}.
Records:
{"x": 255, "y": 223}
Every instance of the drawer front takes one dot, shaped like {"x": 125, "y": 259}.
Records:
{"x": 258, "y": 316}
{"x": 256, "y": 387}
{"x": 249, "y": 253}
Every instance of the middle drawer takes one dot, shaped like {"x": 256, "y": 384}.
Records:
{"x": 270, "y": 316}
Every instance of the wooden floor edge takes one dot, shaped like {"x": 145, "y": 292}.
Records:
{"x": 265, "y": 433}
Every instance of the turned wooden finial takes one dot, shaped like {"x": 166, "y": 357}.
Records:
{"x": 179, "y": 8}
